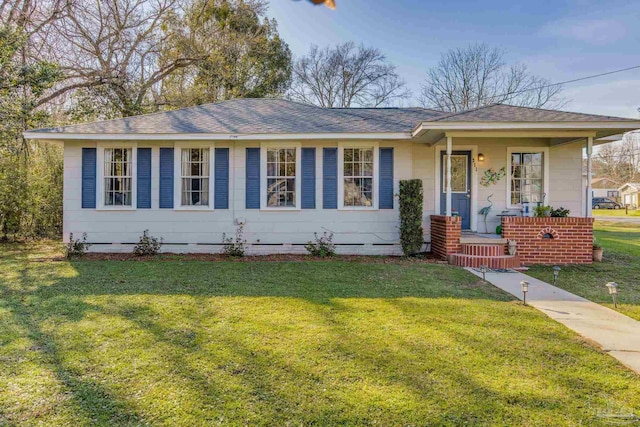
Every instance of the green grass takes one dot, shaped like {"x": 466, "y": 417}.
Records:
{"x": 184, "y": 343}
{"x": 615, "y": 212}
{"x": 621, "y": 264}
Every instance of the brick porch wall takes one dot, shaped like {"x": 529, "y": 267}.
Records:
{"x": 571, "y": 239}
{"x": 445, "y": 235}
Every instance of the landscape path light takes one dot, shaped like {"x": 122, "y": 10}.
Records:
{"x": 483, "y": 270}
{"x": 525, "y": 288}
{"x": 613, "y": 291}
{"x": 556, "y": 273}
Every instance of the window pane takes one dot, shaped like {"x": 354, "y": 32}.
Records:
{"x": 117, "y": 177}
{"x": 348, "y": 154}
{"x": 527, "y": 183}
{"x": 272, "y": 155}
{"x": 195, "y": 177}
{"x": 281, "y": 177}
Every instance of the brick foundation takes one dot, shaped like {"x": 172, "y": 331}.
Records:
{"x": 551, "y": 240}
{"x": 445, "y": 235}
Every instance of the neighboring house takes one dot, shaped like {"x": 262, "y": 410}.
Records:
{"x": 287, "y": 170}
{"x": 630, "y": 194}
{"x": 605, "y": 187}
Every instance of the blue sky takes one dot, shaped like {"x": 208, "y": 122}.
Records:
{"x": 559, "y": 40}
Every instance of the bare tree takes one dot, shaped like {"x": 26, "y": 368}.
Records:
{"x": 620, "y": 160}
{"x": 346, "y": 76}
{"x": 113, "y": 48}
{"x": 478, "y": 75}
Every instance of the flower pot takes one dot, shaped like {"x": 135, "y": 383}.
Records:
{"x": 597, "y": 254}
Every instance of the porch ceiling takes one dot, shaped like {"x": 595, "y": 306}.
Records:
{"x": 554, "y": 136}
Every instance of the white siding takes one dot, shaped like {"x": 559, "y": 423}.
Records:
{"x": 361, "y": 232}
{"x": 201, "y": 231}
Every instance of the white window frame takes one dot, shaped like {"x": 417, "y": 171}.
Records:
{"x": 177, "y": 175}
{"x": 263, "y": 175}
{"x": 101, "y": 147}
{"x": 376, "y": 178}
{"x": 545, "y": 172}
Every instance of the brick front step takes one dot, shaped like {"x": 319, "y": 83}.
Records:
{"x": 483, "y": 249}
{"x": 499, "y": 261}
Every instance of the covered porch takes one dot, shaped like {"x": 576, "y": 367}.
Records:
{"x": 488, "y": 179}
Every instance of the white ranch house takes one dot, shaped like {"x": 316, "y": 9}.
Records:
{"x": 287, "y": 170}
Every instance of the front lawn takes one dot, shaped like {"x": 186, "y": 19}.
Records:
{"x": 191, "y": 343}
{"x": 615, "y": 212}
{"x": 621, "y": 264}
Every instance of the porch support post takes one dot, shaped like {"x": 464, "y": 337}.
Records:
{"x": 448, "y": 183}
{"x": 588, "y": 212}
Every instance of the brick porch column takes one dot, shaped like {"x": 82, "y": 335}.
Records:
{"x": 445, "y": 235}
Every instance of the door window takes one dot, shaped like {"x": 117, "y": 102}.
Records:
{"x": 459, "y": 169}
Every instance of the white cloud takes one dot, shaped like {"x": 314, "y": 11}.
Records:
{"x": 592, "y": 31}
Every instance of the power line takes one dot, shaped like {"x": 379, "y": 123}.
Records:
{"x": 511, "y": 95}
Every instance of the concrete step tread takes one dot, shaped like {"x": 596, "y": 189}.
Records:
{"x": 482, "y": 241}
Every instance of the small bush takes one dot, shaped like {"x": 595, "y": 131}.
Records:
{"x": 321, "y": 246}
{"x": 235, "y": 247}
{"x": 411, "y": 216}
{"x": 148, "y": 245}
{"x": 77, "y": 247}
{"x": 560, "y": 212}
{"x": 542, "y": 211}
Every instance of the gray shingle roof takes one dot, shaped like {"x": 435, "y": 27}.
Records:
{"x": 279, "y": 116}
{"x": 259, "y": 116}
{"x": 510, "y": 113}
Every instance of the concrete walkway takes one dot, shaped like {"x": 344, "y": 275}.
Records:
{"x": 616, "y": 333}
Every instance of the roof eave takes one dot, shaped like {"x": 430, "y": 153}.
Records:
{"x": 622, "y": 126}
{"x": 53, "y": 136}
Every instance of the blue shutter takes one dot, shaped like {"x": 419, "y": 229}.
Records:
{"x": 144, "y": 178}
{"x": 330, "y": 178}
{"x": 386, "y": 179}
{"x": 166, "y": 178}
{"x": 221, "y": 191}
{"x": 253, "y": 179}
{"x": 308, "y": 178}
{"x": 88, "y": 178}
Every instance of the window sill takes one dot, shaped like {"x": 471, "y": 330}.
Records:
{"x": 194, "y": 208}
{"x": 358, "y": 208}
{"x": 116, "y": 208}
{"x": 282, "y": 209}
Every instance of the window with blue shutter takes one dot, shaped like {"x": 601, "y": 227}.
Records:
{"x": 308, "y": 178}
{"x": 88, "y": 178}
{"x": 166, "y": 178}
{"x": 144, "y": 178}
{"x": 386, "y": 178}
{"x": 253, "y": 179}
{"x": 330, "y": 178}
{"x": 221, "y": 176}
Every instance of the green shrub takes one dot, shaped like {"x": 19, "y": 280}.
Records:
{"x": 321, "y": 246}
{"x": 560, "y": 212}
{"x": 77, "y": 247}
{"x": 411, "y": 216}
{"x": 542, "y": 211}
{"x": 148, "y": 245}
{"x": 235, "y": 247}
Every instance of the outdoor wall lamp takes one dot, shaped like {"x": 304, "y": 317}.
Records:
{"x": 480, "y": 157}
{"x": 525, "y": 289}
{"x": 613, "y": 291}
{"x": 483, "y": 270}
{"x": 556, "y": 273}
